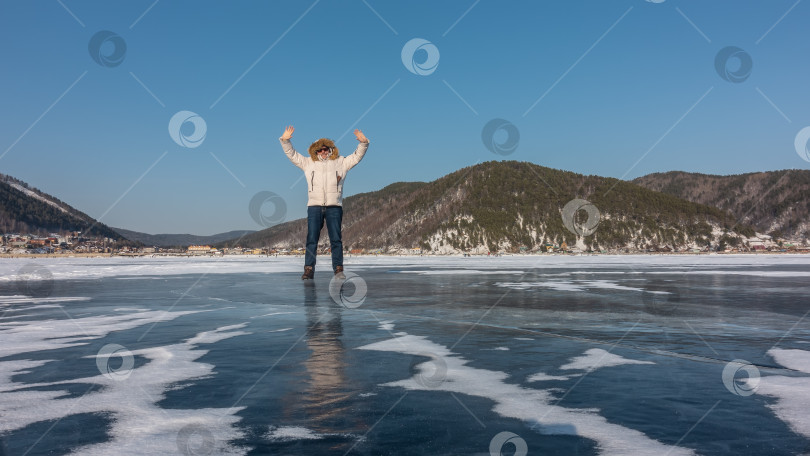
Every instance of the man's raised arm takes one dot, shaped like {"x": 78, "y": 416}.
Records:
{"x": 296, "y": 158}
{"x": 360, "y": 152}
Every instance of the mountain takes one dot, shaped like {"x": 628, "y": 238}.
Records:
{"x": 773, "y": 202}
{"x": 24, "y": 209}
{"x": 180, "y": 240}
{"x": 512, "y": 206}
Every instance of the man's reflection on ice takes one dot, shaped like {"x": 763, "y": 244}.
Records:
{"x": 327, "y": 396}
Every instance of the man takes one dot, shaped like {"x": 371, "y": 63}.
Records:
{"x": 325, "y": 171}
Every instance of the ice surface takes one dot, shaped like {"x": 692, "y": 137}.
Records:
{"x": 736, "y": 321}
{"x": 139, "y": 426}
{"x": 30, "y": 336}
{"x": 514, "y": 401}
{"x": 78, "y": 268}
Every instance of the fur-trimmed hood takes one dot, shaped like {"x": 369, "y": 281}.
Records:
{"x": 320, "y": 144}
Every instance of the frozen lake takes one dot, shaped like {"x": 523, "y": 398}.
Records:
{"x": 608, "y": 355}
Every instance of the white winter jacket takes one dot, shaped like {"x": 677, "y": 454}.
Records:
{"x": 324, "y": 178}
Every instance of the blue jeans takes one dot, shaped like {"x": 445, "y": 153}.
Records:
{"x": 316, "y": 215}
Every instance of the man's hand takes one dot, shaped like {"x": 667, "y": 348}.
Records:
{"x": 360, "y": 136}
{"x": 288, "y": 132}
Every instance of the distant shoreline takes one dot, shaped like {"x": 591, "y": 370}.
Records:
{"x": 176, "y": 255}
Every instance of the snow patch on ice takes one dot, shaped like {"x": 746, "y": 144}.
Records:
{"x": 151, "y": 268}
{"x": 272, "y": 314}
{"x": 462, "y": 271}
{"x": 139, "y": 426}
{"x": 14, "y": 316}
{"x": 554, "y": 285}
{"x": 598, "y": 272}
{"x": 31, "y": 336}
{"x": 21, "y": 299}
{"x": 41, "y": 306}
{"x": 568, "y": 285}
{"x": 290, "y": 433}
{"x": 792, "y": 393}
{"x": 139, "y": 277}
{"x": 211, "y": 337}
{"x": 294, "y": 433}
{"x": 759, "y": 273}
{"x": 535, "y": 406}
{"x": 792, "y": 359}
{"x": 596, "y": 358}
{"x": 543, "y": 377}
{"x": 604, "y": 284}
{"x": 94, "y": 268}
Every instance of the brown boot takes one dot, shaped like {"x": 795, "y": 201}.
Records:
{"x": 339, "y": 272}
{"x": 309, "y": 273}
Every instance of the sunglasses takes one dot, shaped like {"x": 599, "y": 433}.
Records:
{"x": 323, "y": 149}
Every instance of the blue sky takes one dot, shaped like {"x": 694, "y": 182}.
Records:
{"x": 617, "y": 88}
